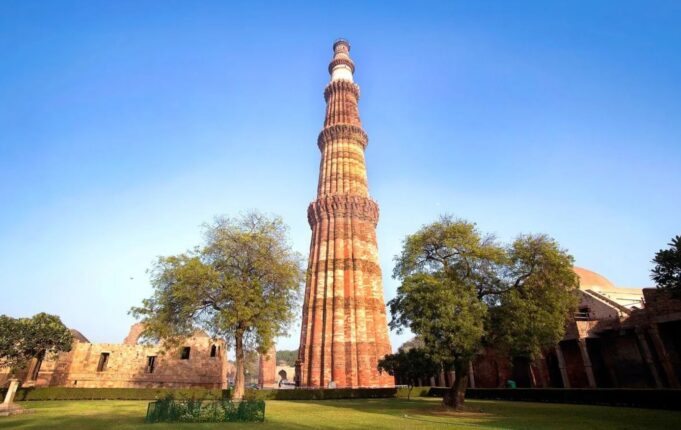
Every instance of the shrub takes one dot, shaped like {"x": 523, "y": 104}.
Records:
{"x": 64, "y": 393}
{"x": 203, "y": 411}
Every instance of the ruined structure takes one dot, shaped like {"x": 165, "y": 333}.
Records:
{"x": 198, "y": 362}
{"x": 618, "y": 338}
{"x": 344, "y": 330}
{"x": 267, "y": 369}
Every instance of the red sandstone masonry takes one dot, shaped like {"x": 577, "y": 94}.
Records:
{"x": 344, "y": 329}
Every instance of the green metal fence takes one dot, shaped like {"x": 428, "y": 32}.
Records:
{"x": 203, "y": 411}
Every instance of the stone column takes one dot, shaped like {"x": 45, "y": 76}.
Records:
{"x": 588, "y": 369}
{"x": 441, "y": 379}
{"x": 647, "y": 356}
{"x": 540, "y": 366}
{"x": 344, "y": 329}
{"x": 11, "y": 392}
{"x": 661, "y": 351}
{"x": 471, "y": 374}
{"x": 561, "y": 366}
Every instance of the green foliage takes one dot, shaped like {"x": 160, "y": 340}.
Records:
{"x": 530, "y": 316}
{"x": 242, "y": 285}
{"x": 289, "y": 357}
{"x": 410, "y": 364}
{"x": 201, "y": 411}
{"x": 460, "y": 288}
{"x": 22, "y": 339}
{"x": 667, "y": 270}
{"x": 65, "y": 393}
{"x": 444, "y": 313}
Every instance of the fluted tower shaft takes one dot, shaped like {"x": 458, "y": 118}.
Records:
{"x": 344, "y": 329}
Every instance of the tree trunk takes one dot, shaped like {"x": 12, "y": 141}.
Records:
{"x": 239, "y": 376}
{"x": 454, "y": 397}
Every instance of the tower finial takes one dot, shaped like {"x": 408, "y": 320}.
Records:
{"x": 341, "y": 66}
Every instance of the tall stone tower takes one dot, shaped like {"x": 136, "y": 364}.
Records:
{"x": 344, "y": 330}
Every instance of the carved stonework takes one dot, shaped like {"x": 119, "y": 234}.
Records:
{"x": 351, "y": 133}
{"x": 344, "y": 329}
{"x": 346, "y": 87}
{"x": 342, "y": 206}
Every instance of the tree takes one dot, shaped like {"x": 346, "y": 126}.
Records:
{"x": 667, "y": 270}
{"x": 529, "y": 316}
{"x": 287, "y": 356}
{"x": 22, "y": 339}
{"x": 460, "y": 288}
{"x": 410, "y": 364}
{"x": 242, "y": 285}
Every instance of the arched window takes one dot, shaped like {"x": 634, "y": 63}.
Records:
{"x": 213, "y": 351}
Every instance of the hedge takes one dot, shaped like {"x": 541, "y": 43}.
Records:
{"x": 65, "y": 393}
{"x": 205, "y": 411}
{"x": 643, "y": 398}
{"x": 632, "y": 397}
{"x": 325, "y": 394}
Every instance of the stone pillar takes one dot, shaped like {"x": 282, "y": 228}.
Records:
{"x": 267, "y": 369}
{"x": 11, "y": 392}
{"x": 588, "y": 369}
{"x": 647, "y": 356}
{"x": 661, "y": 351}
{"x": 344, "y": 329}
{"x": 441, "y": 379}
{"x": 540, "y": 365}
{"x": 471, "y": 374}
{"x": 561, "y": 366}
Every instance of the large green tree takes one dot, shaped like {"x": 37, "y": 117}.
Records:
{"x": 22, "y": 339}
{"x": 410, "y": 364}
{"x": 667, "y": 270}
{"x": 460, "y": 288}
{"x": 241, "y": 285}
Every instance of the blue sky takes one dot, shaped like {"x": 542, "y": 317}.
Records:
{"x": 125, "y": 125}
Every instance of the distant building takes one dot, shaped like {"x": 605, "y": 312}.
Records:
{"x": 198, "y": 362}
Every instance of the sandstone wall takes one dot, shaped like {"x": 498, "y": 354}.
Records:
{"x": 128, "y": 365}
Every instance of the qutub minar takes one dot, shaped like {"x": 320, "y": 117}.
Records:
{"x": 344, "y": 329}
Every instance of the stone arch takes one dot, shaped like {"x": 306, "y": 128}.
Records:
{"x": 134, "y": 334}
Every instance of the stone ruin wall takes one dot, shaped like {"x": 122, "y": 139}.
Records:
{"x": 267, "y": 369}
{"x": 127, "y": 365}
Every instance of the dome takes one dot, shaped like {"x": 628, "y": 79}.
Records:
{"x": 589, "y": 280}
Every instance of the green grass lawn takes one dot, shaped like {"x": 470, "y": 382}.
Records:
{"x": 421, "y": 413}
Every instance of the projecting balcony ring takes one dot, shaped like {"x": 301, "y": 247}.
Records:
{"x": 343, "y": 206}
{"x": 343, "y": 131}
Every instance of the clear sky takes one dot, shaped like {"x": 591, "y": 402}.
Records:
{"x": 125, "y": 125}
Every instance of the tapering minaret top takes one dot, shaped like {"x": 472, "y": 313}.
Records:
{"x": 341, "y": 66}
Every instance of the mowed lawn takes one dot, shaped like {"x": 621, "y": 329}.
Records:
{"x": 421, "y": 413}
